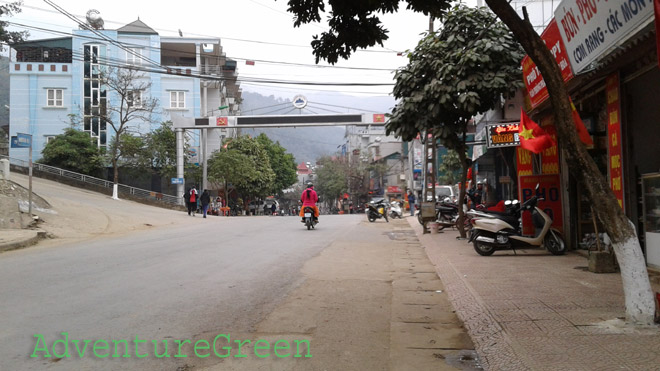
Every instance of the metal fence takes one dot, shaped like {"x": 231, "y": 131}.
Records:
{"x": 122, "y": 189}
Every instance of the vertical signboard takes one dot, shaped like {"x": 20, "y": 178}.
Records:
{"x": 614, "y": 149}
{"x": 550, "y": 191}
{"x": 550, "y": 156}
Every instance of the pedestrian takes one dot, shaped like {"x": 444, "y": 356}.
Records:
{"x": 489, "y": 198}
{"x": 205, "y": 199}
{"x": 192, "y": 201}
{"x": 273, "y": 209}
{"x": 411, "y": 202}
{"x": 186, "y": 198}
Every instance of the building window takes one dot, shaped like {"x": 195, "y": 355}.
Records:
{"x": 94, "y": 95}
{"x": 134, "y": 98}
{"x": 134, "y": 56}
{"x": 49, "y": 138}
{"x": 177, "y": 99}
{"x": 54, "y": 98}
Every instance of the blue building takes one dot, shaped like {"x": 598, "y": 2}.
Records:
{"x": 51, "y": 79}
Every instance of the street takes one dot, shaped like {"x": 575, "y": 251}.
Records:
{"x": 221, "y": 273}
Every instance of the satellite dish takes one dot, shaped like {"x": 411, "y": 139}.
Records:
{"x": 94, "y": 20}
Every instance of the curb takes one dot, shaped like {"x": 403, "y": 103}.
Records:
{"x": 15, "y": 245}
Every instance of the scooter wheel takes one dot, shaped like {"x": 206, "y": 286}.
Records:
{"x": 483, "y": 249}
{"x": 554, "y": 243}
{"x": 371, "y": 218}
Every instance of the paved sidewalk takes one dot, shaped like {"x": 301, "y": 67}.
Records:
{"x": 536, "y": 311}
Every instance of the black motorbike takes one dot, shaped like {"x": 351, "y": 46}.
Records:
{"x": 310, "y": 219}
{"x": 377, "y": 209}
{"x": 446, "y": 213}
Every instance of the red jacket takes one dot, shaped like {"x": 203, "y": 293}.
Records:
{"x": 309, "y": 197}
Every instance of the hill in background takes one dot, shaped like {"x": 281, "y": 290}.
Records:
{"x": 308, "y": 144}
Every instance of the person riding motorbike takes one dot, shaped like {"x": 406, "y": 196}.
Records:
{"x": 309, "y": 198}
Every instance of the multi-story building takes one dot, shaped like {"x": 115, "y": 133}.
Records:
{"x": 51, "y": 79}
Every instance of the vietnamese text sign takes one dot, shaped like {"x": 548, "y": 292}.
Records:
{"x": 550, "y": 191}
{"x": 532, "y": 77}
{"x": 614, "y": 136}
{"x": 503, "y": 135}
{"x": 21, "y": 140}
{"x": 550, "y": 156}
{"x": 177, "y": 180}
{"x": 590, "y": 27}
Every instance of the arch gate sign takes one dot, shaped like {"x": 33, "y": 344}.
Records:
{"x": 181, "y": 123}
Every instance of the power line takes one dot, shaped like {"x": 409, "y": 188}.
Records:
{"x": 129, "y": 45}
{"x": 387, "y": 51}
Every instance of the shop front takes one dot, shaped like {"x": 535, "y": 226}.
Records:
{"x": 615, "y": 87}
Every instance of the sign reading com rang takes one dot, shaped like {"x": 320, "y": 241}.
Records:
{"x": 590, "y": 27}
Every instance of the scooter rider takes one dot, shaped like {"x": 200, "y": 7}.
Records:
{"x": 309, "y": 198}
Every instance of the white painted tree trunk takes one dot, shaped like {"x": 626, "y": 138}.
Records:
{"x": 640, "y": 305}
{"x": 115, "y": 191}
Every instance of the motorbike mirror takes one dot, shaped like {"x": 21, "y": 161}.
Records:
{"x": 537, "y": 186}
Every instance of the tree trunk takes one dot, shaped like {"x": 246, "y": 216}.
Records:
{"x": 115, "y": 185}
{"x": 640, "y": 306}
{"x": 461, "y": 192}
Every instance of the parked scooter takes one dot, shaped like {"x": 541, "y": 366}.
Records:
{"x": 500, "y": 231}
{"x": 446, "y": 213}
{"x": 395, "y": 210}
{"x": 377, "y": 209}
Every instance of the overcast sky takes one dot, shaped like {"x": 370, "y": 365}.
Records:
{"x": 257, "y": 30}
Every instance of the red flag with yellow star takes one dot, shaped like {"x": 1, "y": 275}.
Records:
{"x": 532, "y": 137}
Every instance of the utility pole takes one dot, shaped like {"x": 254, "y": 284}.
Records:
{"x": 428, "y": 207}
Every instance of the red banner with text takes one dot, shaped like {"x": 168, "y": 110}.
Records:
{"x": 550, "y": 156}
{"x": 534, "y": 82}
{"x": 614, "y": 151}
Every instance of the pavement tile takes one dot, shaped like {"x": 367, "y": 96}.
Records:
{"x": 535, "y": 311}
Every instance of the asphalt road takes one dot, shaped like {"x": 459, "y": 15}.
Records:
{"x": 220, "y": 275}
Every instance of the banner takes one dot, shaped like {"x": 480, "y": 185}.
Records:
{"x": 550, "y": 156}
{"x": 532, "y": 77}
{"x": 590, "y": 28}
{"x": 550, "y": 191}
{"x": 524, "y": 162}
{"x": 614, "y": 139}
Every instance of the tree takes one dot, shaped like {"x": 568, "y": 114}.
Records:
{"x": 132, "y": 106}
{"x": 244, "y": 164}
{"x": 449, "y": 167}
{"x": 10, "y": 37}
{"x": 73, "y": 150}
{"x": 331, "y": 178}
{"x": 353, "y": 27}
{"x": 452, "y": 75}
{"x": 160, "y": 150}
{"x": 282, "y": 163}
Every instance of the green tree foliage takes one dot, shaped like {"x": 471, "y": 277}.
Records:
{"x": 331, "y": 178}
{"x": 281, "y": 162}
{"x": 354, "y": 24}
{"x": 10, "y": 37}
{"x": 73, "y": 150}
{"x": 160, "y": 149}
{"x": 131, "y": 151}
{"x": 449, "y": 167}
{"x": 453, "y": 74}
{"x": 244, "y": 164}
